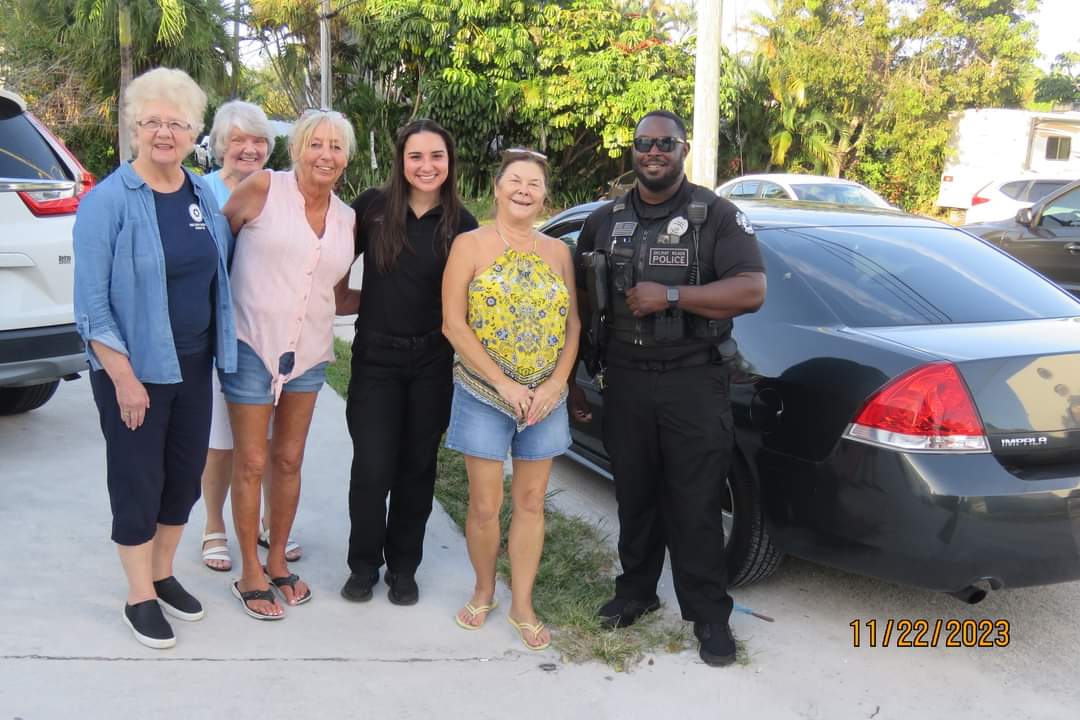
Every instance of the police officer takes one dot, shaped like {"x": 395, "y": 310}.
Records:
{"x": 680, "y": 263}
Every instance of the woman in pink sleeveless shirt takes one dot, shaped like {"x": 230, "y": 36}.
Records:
{"x": 294, "y": 244}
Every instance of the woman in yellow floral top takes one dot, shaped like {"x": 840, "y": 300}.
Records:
{"x": 510, "y": 311}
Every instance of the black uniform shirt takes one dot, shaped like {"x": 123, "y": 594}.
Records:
{"x": 407, "y": 301}
{"x": 728, "y": 247}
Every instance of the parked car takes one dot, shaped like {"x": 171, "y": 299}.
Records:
{"x": 906, "y": 402}
{"x": 41, "y": 184}
{"x": 204, "y": 155}
{"x": 1046, "y": 236}
{"x": 1000, "y": 199}
{"x": 808, "y": 188}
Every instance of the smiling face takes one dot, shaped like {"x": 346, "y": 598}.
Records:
{"x": 164, "y": 145}
{"x": 425, "y": 162}
{"x": 520, "y": 192}
{"x": 658, "y": 170}
{"x": 244, "y": 153}
{"x": 324, "y": 157}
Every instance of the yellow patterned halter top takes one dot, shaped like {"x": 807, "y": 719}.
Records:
{"x": 517, "y": 308}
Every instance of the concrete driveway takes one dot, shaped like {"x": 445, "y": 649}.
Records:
{"x": 64, "y": 651}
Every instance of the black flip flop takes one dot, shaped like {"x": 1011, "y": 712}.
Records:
{"x": 289, "y": 580}
{"x": 245, "y": 596}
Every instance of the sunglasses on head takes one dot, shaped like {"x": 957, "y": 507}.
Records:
{"x": 524, "y": 151}
{"x": 663, "y": 144}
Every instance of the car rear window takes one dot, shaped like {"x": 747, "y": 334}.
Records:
{"x": 1042, "y": 188}
{"x": 839, "y": 194}
{"x": 24, "y": 153}
{"x": 883, "y": 276}
{"x": 1013, "y": 189}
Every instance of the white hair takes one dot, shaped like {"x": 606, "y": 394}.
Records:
{"x": 166, "y": 85}
{"x": 311, "y": 119}
{"x": 243, "y": 116}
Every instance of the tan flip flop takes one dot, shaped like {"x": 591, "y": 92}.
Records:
{"x": 536, "y": 629}
{"x": 475, "y": 610}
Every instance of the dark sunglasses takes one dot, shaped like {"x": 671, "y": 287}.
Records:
{"x": 663, "y": 144}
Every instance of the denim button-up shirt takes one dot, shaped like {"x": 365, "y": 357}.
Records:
{"x": 121, "y": 297}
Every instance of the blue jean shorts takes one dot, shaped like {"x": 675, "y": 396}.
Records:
{"x": 251, "y": 383}
{"x": 479, "y": 430}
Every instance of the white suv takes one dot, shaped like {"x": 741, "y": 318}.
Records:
{"x": 41, "y": 184}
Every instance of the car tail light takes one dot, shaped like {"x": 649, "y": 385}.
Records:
{"x": 927, "y": 409}
{"x": 977, "y": 198}
{"x": 946, "y": 178}
{"x": 47, "y": 203}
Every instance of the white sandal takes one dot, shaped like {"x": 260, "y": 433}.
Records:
{"x": 293, "y": 551}
{"x": 218, "y": 552}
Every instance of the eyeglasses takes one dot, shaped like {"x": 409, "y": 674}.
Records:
{"x": 663, "y": 144}
{"x": 174, "y": 126}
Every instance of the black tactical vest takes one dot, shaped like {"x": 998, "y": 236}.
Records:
{"x": 664, "y": 251}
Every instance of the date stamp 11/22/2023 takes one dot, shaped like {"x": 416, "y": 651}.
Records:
{"x": 923, "y": 633}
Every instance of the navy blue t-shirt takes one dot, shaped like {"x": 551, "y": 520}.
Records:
{"x": 191, "y": 263}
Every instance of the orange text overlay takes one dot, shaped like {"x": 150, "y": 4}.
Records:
{"x": 922, "y": 633}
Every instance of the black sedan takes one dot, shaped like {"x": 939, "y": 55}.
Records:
{"x": 1046, "y": 236}
{"x": 907, "y": 406}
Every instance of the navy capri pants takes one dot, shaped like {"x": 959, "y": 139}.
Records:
{"x": 154, "y": 472}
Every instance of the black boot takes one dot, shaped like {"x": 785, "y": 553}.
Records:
{"x": 403, "y": 589}
{"x": 717, "y": 646}
{"x": 621, "y": 612}
{"x": 358, "y": 587}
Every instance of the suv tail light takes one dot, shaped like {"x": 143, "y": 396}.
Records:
{"x": 977, "y": 198}
{"x": 927, "y": 409}
{"x": 47, "y": 203}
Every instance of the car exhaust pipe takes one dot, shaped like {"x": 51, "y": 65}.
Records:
{"x": 972, "y": 594}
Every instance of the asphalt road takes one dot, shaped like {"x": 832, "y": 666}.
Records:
{"x": 64, "y": 651}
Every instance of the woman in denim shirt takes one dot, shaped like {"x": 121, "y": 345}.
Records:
{"x": 153, "y": 304}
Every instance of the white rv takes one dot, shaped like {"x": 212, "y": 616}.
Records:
{"x": 991, "y": 143}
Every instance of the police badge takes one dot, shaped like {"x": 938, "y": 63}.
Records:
{"x": 744, "y": 222}
{"x": 678, "y": 226}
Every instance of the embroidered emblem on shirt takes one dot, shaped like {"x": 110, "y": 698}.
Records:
{"x": 669, "y": 257}
{"x": 678, "y": 226}
{"x": 744, "y": 222}
{"x": 195, "y": 212}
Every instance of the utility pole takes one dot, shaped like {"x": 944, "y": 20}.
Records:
{"x": 236, "y": 50}
{"x": 703, "y": 146}
{"x": 324, "y": 55}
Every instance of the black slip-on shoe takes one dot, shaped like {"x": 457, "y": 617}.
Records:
{"x": 403, "y": 589}
{"x": 358, "y": 587}
{"x": 717, "y": 643}
{"x": 622, "y": 612}
{"x": 148, "y": 625}
{"x": 177, "y": 601}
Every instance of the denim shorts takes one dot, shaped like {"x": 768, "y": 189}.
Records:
{"x": 479, "y": 430}
{"x": 251, "y": 383}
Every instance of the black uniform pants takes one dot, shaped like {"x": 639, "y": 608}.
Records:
{"x": 397, "y": 410}
{"x": 669, "y": 435}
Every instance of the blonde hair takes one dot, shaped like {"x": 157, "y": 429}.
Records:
{"x": 311, "y": 119}
{"x": 245, "y": 117}
{"x": 166, "y": 85}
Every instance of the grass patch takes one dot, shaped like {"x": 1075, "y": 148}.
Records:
{"x": 576, "y": 570}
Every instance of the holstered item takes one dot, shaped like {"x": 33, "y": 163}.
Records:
{"x": 595, "y": 265}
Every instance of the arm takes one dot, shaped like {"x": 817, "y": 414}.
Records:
{"x": 247, "y": 200}
{"x": 346, "y": 300}
{"x": 460, "y": 269}
{"x": 549, "y": 391}
{"x": 131, "y": 396}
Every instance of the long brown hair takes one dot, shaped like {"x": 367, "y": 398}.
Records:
{"x": 389, "y": 237}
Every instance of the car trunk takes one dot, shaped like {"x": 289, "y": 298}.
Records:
{"x": 1024, "y": 378}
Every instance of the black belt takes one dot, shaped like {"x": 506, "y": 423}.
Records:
{"x": 402, "y": 342}
{"x": 694, "y": 359}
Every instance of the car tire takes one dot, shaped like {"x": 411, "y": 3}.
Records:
{"x": 15, "y": 400}
{"x": 750, "y": 554}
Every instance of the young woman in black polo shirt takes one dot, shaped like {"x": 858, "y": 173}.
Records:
{"x": 399, "y": 396}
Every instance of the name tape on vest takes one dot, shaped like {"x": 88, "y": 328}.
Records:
{"x": 669, "y": 257}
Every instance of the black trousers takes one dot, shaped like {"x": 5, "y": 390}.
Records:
{"x": 397, "y": 411}
{"x": 669, "y": 435}
{"x": 154, "y": 472}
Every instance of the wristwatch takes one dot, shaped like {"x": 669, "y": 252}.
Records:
{"x": 673, "y": 297}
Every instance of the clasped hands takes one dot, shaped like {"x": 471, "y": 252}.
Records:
{"x": 531, "y": 405}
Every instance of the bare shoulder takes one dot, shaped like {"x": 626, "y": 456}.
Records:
{"x": 555, "y": 250}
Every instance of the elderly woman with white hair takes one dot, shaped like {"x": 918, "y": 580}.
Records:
{"x": 241, "y": 140}
{"x": 294, "y": 249}
{"x": 154, "y": 306}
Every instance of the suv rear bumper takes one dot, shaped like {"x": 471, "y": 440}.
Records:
{"x": 40, "y": 355}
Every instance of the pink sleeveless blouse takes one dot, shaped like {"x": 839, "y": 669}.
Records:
{"x": 283, "y": 278}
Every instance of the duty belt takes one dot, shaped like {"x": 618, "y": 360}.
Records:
{"x": 694, "y": 359}
{"x": 401, "y": 342}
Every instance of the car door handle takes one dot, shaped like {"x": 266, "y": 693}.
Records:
{"x": 1073, "y": 248}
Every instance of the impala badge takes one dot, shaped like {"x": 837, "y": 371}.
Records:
{"x": 1026, "y": 442}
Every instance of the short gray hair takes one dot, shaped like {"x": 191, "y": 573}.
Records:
{"x": 245, "y": 117}
{"x": 168, "y": 85}
{"x": 305, "y": 128}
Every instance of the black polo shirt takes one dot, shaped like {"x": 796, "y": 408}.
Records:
{"x": 407, "y": 300}
{"x": 728, "y": 247}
